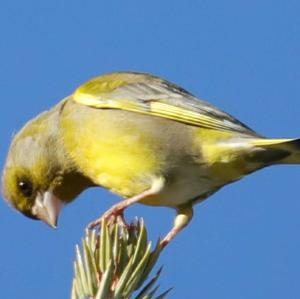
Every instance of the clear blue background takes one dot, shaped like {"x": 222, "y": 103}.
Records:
{"x": 243, "y": 56}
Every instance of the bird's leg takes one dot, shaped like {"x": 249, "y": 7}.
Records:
{"x": 182, "y": 219}
{"x": 118, "y": 209}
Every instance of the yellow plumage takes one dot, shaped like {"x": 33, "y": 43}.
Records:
{"x": 139, "y": 136}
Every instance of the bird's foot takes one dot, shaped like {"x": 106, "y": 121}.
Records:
{"x": 118, "y": 209}
{"x": 182, "y": 219}
{"x": 111, "y": 216}
{"x": 169, "y": 237}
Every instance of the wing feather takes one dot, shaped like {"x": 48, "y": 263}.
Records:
{"x": 147, "y": 94}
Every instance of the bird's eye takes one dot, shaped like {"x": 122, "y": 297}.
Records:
{"x": 25, "y": 187}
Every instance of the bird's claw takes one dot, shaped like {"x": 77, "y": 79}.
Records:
{"x": 111, "y": 216}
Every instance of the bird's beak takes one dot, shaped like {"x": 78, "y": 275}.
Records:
{"x": 47, "y": 208}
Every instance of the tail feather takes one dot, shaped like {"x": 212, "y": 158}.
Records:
{"x": 281, "y": 151}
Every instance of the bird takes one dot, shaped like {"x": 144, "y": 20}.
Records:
{"x": 143, "y": 138}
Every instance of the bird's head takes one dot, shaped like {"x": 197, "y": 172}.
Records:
{"x": 38, "y": 178}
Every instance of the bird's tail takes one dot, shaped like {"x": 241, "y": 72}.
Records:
{"x": 277, "y": 151}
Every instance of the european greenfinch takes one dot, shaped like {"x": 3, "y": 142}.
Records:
{"x": 139, "y": 136}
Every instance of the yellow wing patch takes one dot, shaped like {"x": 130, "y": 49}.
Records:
{"x": 93, "y": 88}
{"x": 155, "y": 108}
{"x": 122, "y": 91}
{"x": 106, "y": 83}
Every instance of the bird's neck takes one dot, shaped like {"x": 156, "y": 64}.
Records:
{"x": 71, "y": 182}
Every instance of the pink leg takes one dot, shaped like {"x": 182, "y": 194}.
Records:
{"x": 182, "y": 219}
{"x": 118, "y": 209}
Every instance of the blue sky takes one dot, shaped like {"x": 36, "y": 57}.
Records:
{"x": 243, "y": 56}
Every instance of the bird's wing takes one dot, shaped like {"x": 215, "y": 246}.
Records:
{"x": 147, "y": 94}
